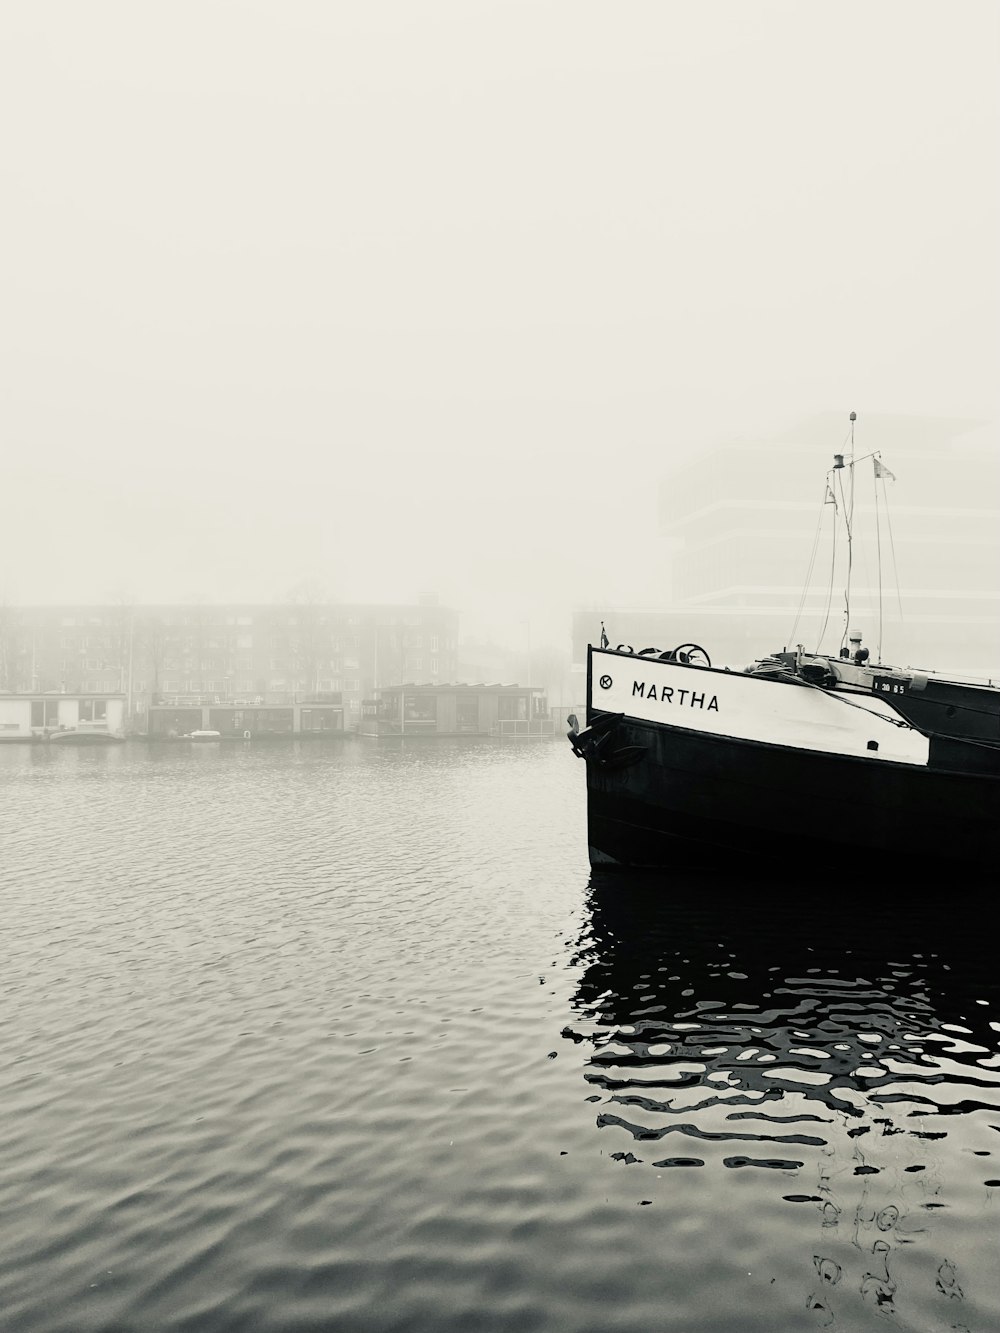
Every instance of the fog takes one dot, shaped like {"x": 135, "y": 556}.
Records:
{"x": 383, "y": 298}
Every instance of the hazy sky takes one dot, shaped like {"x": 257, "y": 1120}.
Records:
{"x": 394, "y": 296}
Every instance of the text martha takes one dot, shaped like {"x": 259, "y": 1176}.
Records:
{"x": 693, "y": 698}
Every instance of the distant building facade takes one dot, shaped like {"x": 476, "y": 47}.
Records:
{"x": 249, "y": 656}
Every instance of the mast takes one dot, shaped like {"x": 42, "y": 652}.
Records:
{"x": 850, "y": 538}
{"x": 838, "y": 464}
{"x": 835, "y": 484}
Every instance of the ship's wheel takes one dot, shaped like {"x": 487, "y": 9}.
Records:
{"x": 693, "y": 653}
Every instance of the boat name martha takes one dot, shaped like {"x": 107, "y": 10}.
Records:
{"x": 667, "y": 692}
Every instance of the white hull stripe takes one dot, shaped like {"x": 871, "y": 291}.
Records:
{"x": 724, "y": 703}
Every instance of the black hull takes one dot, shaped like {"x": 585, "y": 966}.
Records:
{"x": 949, "y": 708}
{"x": 692, "y": 794}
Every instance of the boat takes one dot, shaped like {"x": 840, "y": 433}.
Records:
{"x": 74, "y": 736}
{"x": 789, "y": 762}
{"x": 204, "y": 736}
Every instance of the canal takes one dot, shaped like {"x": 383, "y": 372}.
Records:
{"x": 340, "y": 1036}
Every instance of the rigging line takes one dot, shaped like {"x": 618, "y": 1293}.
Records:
{"x": 833, "y": 568}
{"x": 849, "y": 519}
{"x": 878, "y": 548}
{"x": 809, "y": 571}
{"x": 899, "y": 722}
{"x": 892, "y": 548}
{"x": 848, "y": 515}
{"x": 848, "y": 703}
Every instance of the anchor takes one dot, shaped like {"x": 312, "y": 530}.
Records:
{"x": 595, "y": 744}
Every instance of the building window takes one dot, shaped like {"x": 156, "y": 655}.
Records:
{"x": 270, "y": 719}
{"x": 467, "y": 710}
{"x": 319, "y": 719}
{"x": 512, "y": 706}
{"x": 44, "y": 713}
{"x": 420, "y": 708}
{"x": 93, "y": 710}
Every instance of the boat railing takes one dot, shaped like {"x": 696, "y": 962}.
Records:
{"x": 959, "y": 678}
{"x": 536, "y": 726}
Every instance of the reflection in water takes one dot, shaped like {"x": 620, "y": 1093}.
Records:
{"x": 846, "y": 1044}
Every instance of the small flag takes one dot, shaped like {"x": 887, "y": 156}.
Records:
{"x": 830, "y": 498}
{"x": 882, "y": 471}
{"x": 604, "y": 637}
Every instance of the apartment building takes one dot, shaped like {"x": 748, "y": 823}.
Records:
{"x": 255, "y": 655}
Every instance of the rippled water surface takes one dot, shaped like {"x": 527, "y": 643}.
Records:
{"x": 324, "y": 1036}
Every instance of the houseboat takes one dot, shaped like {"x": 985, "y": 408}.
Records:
{"x": 88, "y": 719}
{"x": 503, "y": 712}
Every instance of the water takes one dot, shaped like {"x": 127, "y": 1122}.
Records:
{"x": 323, "y": 1036}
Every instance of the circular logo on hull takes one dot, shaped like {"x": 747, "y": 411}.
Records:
{"x": 605, "y": 682}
